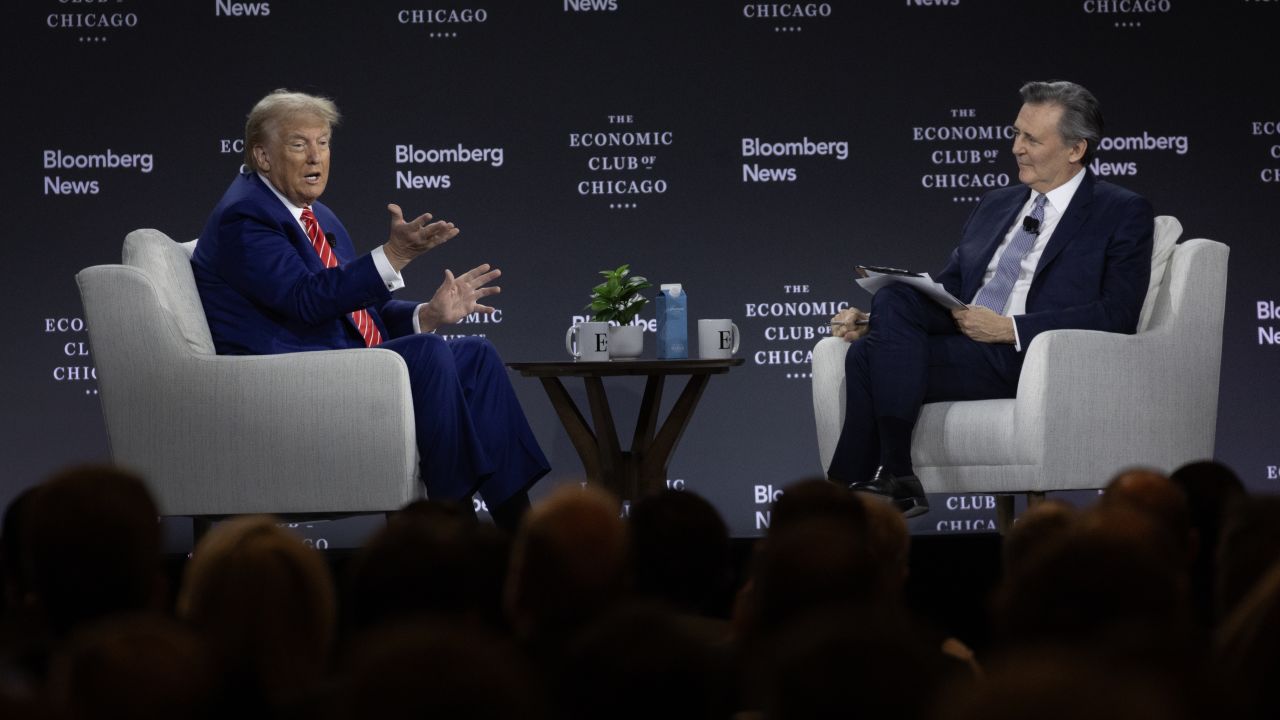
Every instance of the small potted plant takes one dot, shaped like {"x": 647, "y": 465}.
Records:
{"x": 618, "y": 300}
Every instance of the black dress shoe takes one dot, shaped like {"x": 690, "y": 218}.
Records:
{"x": 904, "y": 493}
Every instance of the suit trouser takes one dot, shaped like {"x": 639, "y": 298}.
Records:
{"x": 472, "y": 433}
{"x": 913, "y": 353}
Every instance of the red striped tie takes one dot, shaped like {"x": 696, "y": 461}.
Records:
{"x": 361, "y": 318}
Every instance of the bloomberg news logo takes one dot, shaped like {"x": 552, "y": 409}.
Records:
{"x": 229, "y": 8}
{"x": 1268, "y": 334}
{"x": 411, "y": 155}
{"x": 786, "y": 152}
{"x": 1146, "y": 142}
{"x": 763, "y": 497}
{"x": 62, "y": 161}
{"x": 590, "y": 5}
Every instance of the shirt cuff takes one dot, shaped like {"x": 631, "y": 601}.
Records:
{"x": 1017, "y": 341}
{"x": 417, "y": 324}
{"x": 392, "y": 279}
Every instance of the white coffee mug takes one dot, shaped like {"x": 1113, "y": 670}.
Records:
{"x": 717, "y": 339}
{"x": 588, "y": 341}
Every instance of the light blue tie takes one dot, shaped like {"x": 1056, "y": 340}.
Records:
{"x": 995, "y": 294}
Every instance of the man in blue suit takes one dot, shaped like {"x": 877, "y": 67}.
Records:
{"x": 277, "y": 272}
{"x": 1064, "y": 250}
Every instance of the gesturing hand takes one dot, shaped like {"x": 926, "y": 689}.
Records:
{"x": 457, "y": 297}
{"x": 411, "y": 238}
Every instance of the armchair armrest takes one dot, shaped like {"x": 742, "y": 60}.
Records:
{"x": 1084, "y": 395}
{"x": 303, "y": 432}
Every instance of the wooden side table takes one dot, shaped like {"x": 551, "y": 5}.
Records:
{"x": 642, "y": 469}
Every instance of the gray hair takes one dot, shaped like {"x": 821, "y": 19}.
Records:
{"x": 264, "y": 118}
{"x": 1081, "y": 115}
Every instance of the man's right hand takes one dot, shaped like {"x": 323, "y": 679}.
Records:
{"x": 411, "y": 238}
{"x": 843, "y": 325}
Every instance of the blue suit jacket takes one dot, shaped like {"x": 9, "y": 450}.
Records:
{"x": 1093, "y": 273}
{"x": 264, "y": 289}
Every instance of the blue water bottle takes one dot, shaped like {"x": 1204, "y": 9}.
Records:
{"x": 673, "y": 322}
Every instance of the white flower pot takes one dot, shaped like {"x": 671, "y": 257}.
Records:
{"x": 625, "y": 341}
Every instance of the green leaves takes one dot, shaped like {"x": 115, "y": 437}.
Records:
{"x": 618, "y": 298}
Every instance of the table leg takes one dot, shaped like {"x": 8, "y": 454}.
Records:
{"x": 584, "y": 441}
{"x": 653, "y": 463}
{"x": 614, "y": 471}
{"x": 648, "y": 420}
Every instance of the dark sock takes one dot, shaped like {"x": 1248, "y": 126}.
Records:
{"x": 507, "y": 515}
{"x": 895, "y": 445}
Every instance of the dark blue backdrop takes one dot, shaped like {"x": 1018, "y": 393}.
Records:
{"x": 882, "y": 122}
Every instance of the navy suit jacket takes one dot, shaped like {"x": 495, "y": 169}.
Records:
{"x": 264, "y": 289}
{"x": 1093, "y": 273}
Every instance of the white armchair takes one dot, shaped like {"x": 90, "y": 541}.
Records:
{"x": 1088, "y": 403}
{"x": 305, "y": 434}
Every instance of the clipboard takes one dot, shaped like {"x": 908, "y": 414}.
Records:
{"x": 874, "y": 277}
{"x": 868, "y": 270}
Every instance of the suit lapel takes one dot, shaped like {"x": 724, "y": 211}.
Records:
{"x": 302, "y": 243}
{"x": 1069, "y": 226}
{"x": 289, "y": 224}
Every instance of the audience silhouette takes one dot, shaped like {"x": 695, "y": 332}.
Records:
{"x": 264, "y": 603}
{"x": 1161, "y": 599}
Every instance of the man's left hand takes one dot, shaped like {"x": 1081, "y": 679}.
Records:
{"x": 984, "y": 324}
{"x": 457, "y": 297}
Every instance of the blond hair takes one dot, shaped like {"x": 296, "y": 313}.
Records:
{"x": 265, "y": 117}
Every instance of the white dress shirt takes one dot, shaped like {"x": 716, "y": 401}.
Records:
{"x": 1059, "y": 199}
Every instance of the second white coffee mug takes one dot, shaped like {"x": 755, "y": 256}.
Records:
{"x": 717, "y": 339}
{"x": 588, "y": 341}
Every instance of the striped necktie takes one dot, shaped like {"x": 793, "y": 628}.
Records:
{"x": 361, "y": 318}
{"x": 995, "y": 294}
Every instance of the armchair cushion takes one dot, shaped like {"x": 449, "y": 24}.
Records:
{"x": 168, "y": 265}
{"x": 1168, "y": 230}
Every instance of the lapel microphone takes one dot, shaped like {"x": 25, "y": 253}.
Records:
{"x": 1029, "y": 224}
{"x": 328, "y": 237}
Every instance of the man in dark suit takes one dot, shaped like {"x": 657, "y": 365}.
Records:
{"x": 1064, "y": 250}
{"x": 277, "y": 272}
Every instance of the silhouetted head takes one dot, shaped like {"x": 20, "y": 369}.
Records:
{"x": 264, "y": 602}
{"x": 680, "y": 551}
{"x": 433, "y": 558}
{"x": 434, "y": 669}
{"x": 138, "y": 666}
{"x": 91, "y": 546}
{"x": 568, "y": 562}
